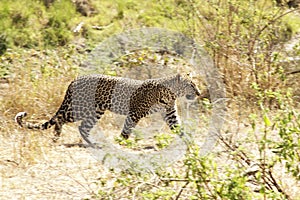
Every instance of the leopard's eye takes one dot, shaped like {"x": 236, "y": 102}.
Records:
{"x": 190, "y": 97}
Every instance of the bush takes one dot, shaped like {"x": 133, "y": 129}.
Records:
{"x": 30, "y": 24}
{"x": 245, "y": 39}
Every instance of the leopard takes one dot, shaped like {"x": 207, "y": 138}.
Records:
{"x": 88, "y": 97}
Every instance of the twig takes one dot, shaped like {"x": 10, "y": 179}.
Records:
{"x": 233, "y": 148}
{"x": 181, "y": 190}
{"x": 173, "y": 179}
{"x": 293, "y": 72}
{"x": 142, "y": 183}
{"x": 100, "y": 28}
{"x": 277, "y": 185}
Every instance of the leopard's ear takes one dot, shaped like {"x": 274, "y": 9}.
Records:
{"x": 178, "y": 77}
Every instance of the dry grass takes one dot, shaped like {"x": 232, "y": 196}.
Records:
{"x": 32, "y": 166}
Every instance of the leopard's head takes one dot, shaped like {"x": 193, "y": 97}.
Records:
{"x": 187, "y": 87}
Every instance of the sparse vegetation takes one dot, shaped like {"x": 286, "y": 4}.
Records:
{"x": 254, "y": 44}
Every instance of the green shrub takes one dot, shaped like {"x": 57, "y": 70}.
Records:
{"x": 30, "y": 24}
{"x": 58, "y": 29}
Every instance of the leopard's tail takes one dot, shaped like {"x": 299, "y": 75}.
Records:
{"x": 38, "y": 126}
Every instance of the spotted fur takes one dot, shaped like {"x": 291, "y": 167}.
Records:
{"x": 88, "y": 97}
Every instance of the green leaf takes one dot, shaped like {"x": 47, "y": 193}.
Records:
{"x": 266, "y": 120}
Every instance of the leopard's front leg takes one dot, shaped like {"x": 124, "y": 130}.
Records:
{"x": 172, "y": 119}
{"x": 129, "y": 124}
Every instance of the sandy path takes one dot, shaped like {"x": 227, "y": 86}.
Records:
{"x": 56, "y": 172}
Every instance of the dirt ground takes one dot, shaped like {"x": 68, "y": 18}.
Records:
{"x": 56, "y": 172}
{"x": 33, "y": 167}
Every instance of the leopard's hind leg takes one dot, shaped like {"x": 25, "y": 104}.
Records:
{"x": 59, "y": 122}
{"x": 87, "y": 125}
